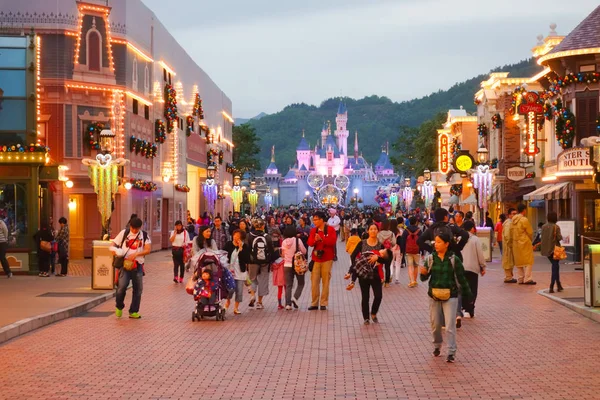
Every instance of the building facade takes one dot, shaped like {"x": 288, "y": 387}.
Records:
{"x": 117, "y": 67}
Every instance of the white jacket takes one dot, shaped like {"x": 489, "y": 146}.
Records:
{"x": 473, "y": 258}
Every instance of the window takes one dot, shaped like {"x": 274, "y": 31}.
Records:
{"x": 93, "y": 50}
{"x": 135, "y": 106}
{"x": 13, "y": 203}
{"x": 134, "y": 75}
{"x": 586, "y": 113}
{"x": 147, "y": 112}
{"x": 164, "y": 75}
{"x": 146, "y": 80}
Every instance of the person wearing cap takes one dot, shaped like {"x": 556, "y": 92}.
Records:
{"x": 334, "y": 221}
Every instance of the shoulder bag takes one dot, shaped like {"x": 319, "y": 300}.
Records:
{"x": 121, "y": 262}
{"x": 559, "y": 251}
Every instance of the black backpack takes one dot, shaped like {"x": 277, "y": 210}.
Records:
{"x": 260, "y": 249}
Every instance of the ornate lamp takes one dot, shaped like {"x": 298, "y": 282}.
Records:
{"x": 268, "y": 198}
{"x": 482, "y": 155}
{"x": 252, "y": 197}
{"x": 237, "y": 195}
{"x": 210, "y": 189}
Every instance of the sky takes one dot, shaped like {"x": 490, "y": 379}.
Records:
{"x": 266, "y": 54}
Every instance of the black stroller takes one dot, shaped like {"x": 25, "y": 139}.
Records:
{"x": 212, "y": 307}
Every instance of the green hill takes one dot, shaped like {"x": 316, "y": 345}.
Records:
{"x": 377, "y": 119}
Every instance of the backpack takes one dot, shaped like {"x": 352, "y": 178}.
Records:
{"x": 260, "y": 249}
{"x": 411, "y": 242}
{"x": 300, "y": 265}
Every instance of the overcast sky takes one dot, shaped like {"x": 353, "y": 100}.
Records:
{"x": 266, "y": 54}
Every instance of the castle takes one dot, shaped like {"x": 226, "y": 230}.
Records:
{"x": 328, "y": 175}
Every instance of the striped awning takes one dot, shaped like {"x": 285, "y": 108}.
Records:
{"x": 470, "y": 200}
{"x": 496, "y": 193}
{"x": 550, "y": 192}
{"x": 453, "y": 200}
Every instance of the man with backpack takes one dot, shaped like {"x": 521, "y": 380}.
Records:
{"x": 323, "y": 240}
{"x": 410, "y": 248}
{"x": 219, "y": 233}
{"x": 460, "y": 236}
{"x": 132, "y": 244}
{"x": 261, "y": 256}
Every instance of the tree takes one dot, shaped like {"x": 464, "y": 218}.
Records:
{"x": 246, "y": 150}
{"x": 405, "y": 159}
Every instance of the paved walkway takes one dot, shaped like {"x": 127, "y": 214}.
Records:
{"x": 520, "y": 346}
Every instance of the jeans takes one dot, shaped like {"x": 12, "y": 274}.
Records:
{"x": 3, "y": 260}
{"x": 555, "y": 278}
{"x": 365, "y": 290}
{"x": 290, "y": 272}
{"x": 440, "y": 311}
{"x": 178, "y": 263}
{"x": 469, "y": 304}
{"x": 500, "y": 246}
{"x": 63, "y": 259}
{"x": 136, "y": 278}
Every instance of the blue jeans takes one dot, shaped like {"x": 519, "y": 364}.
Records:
{"x": 500, "y": 246}
{"x": 136, "y": 278}
{"x": 555, "y": 277}
{"x": 440, "y": 312}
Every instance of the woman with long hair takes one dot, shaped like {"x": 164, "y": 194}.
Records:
{"x": 243, "y": 226}
{"x": 371, "y": 280}
{"x": 204, "y": 240}
{"x": 44, "y": 235}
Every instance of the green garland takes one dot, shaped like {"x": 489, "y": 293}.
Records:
{"x": 482, "y": 129}
{"x": 137, "y": 145}
{"x": 160, "y": 134}
{"x": 140, "y": 184}
{"x": 456, "y": 190}
{"x": 170, "y": 107}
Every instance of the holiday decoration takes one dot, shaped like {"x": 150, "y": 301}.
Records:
{"x": 253, "y": 200}
{"x": 496, "y": 121}
{"x": 210, "y": 194}
{"x": 220, "y": 156}
{"x": 170, "y": 107}
{"x": 482, "y": 181}
{"x": 93, "y": 134}
{"x": 189, "y": 125}
{"x": 315, "y": 180}
{"x": 236, "y": 197}
{"x": 456, "y": 190}
{"x": 455, "y": 148}
{"x": 211, "y": 156}
{"x": 482, "y": 129}
{"x": 230, "y": 168}
{"x": 198, "y": 111}
{"x": 407, "y": 194}
{"x": 530, "y": 175}
{"x": 182, "y": 188}
{"x": 394, "y": 200}
{"x": 548, "y": 111}
{"x": 598, "y": 124}
{"x": 557, "y": 83}
{"x": 268, "y": 199}
{"x": 32, "y": 148}
{"x": 137, "y": 145}
{"x": 494, "y": 163}
{"x": 427, "y": 192}
{"x": 565, "y": 128}
{"x": 160, "y": 134}
{"x": 140, "y": 184}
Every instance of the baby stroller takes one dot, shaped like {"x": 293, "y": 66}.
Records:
{"x": 222, "y": 283}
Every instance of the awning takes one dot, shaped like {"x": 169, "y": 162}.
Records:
{"x": 470, "y": 200}
{"x": 496, "y": 193}
{"x": 549, "y": 192}
{"x": 453, "y": 200}
{"x": 519, "y": 195}
{"x": 537, "y": 204}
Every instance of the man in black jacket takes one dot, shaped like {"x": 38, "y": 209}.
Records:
{"x": 441, "y": 222}
{"x": 262, "y": 254}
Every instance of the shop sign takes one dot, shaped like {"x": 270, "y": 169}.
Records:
{"x": 463, "y": 162}
{"x": 516, "y": 174}
{"x": 531, "y": 107}
{"x": 575, "y": 159}
{"x": 444, "y": 153}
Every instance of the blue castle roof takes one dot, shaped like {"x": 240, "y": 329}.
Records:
{"x": 303, "y": 145}
{"x": 342, "y": 108}
{"x": 384, "y": 161}
{"x": 290, "y": 175}
{"x": 330, "y": 142}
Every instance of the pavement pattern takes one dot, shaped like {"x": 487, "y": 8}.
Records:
{"x": 520, "y": 346}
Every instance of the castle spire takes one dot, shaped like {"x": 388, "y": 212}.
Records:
{"x": 387, "y": 147}
{"x": 356, "y": 147}
{"x": 273, "y": 154}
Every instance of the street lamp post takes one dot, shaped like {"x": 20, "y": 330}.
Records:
{"x": 355, "y": 191}
{"x": 276, "y": 199}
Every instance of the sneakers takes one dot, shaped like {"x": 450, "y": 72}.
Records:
{"x": 386, "y": 285}
{"x": 118, "y": 313}
{"x": 180, "y": 280}
{"x": 450, "y": 358}
{"x": 367, "y": 322}
{"x": 458, "y": 322}
{"x": 9, "y": 275}
{"x": 323, "y": 308}
{"x": 236, "y": 312}
{"x": 134, "y": 315}
{"x": 511, "y": 281}
{"x": 295, "y": 303}
{"x": 259, "y": 306}
{"x": 374, "y": 318}
{"x": 436, "y": 352}
{"x": 396, "y": 281}
{"x": 288, "y": 308}
{"x": 280, "y": 307}
{"x": 176, "y": 280}
{"x": 252, "y": 301}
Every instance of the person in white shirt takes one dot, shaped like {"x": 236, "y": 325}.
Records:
{"x": 474, "y": 263}
{"x": 180, "y": 240}
{"x": 334, "y": 221}
{"x": 133, "y": 244}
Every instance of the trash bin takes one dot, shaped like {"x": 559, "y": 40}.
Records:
{"x": 591, "y": 275}
{"x": 484, "y": 235}
{"x": 103, "y": 273}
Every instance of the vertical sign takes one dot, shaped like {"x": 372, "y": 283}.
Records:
{"x": 444, "y": 153}
{"x": 531, "y": 107}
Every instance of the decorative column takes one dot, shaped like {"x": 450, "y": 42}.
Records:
{"x": 252, "y": 197}
{"x": 210, "y": 190}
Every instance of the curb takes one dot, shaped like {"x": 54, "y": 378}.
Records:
{"x": 30, "y": 324}
{"x": 588, "y": 312}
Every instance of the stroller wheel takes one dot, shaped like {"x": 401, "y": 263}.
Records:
{"x": 194, "y": 316}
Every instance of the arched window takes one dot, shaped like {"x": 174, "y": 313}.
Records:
{"x": 93, "y": 49}
{"x": 134, "y": 76}
{"x": 146, "y": 80}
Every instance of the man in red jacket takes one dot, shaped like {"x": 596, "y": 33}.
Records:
{"x": 323, "y": 240}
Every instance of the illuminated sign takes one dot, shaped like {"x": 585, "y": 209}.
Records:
{"x": 463, "y": 162}
{"x": 444, "y": 153}
{"x": 531, "y": 148}
{"x": 575, "y": 159}
{"x": 516, "y": 174}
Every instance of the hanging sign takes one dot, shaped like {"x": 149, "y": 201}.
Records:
{"x": 444, "y": 153}
{"x": 463, "y": 162}
{"x": 516, "y": 174}
{"x": 531, "y": 107}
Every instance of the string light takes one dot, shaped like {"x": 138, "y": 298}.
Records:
{"x": 165, "y": 66}
{"x": 38, "y": 58}
{"x": 228, "y": 117}
{"x": 89, "y": 87}
{"x": 139, "y": 52}
{"x": 568, "y": 53}
{"x": 139, "y": 98}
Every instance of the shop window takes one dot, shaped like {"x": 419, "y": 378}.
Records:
{"x": 13, "y": 115}
{"x": 12, "y": 58}
{"x": 591, "y": 215}
{"x": 135, "y": 106}
{"x": 147, "y": 112}
{"x": 586, "y": 113}
{"x": 13, "y": 211}
{"x": 12, "y": 83}
{"x": 158, "y": 215}
{"x": 94, "y": 50}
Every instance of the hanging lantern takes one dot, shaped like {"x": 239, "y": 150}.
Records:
{"x": 237, "y": 194}
{"x": 252, "y": 197}
{"x": 107, "y": 138}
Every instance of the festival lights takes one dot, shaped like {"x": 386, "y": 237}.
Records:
{"x": 228, "y": 117}
{"x": 139, "y": 98}
{"x": 568, "y": 53}
{"x": 165, "y": 66}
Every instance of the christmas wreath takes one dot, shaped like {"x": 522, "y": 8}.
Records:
{"x": 92, "y": 135}
{"x": 190, "y": 125}
{"x": 565, "y": 128}
{"x": 230, "y": 168}
{"x": 482, "y": 129}
{"x": 160, "y": 134}
{"x": 170, "y": 107}
{"x": 496, "y": 121}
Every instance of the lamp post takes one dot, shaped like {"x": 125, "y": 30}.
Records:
{"x": 237, "y": 195}
{"x": 252, "y": 197}
{"x": 210, "y": 189}
{"x": 482, "y": 155}
{"x": 276, "y": 199}
{"x": 268, "y": 198}
{"x": 482, "y": 182}
{"x": 355, "y": 191}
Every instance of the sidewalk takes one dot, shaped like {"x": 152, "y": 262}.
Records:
{"x": 28, "y": 302}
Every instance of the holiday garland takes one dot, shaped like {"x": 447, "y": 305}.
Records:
{"x": 455, "y": 148}
{"x": 494, "y": 163}
{"x": 198, "y": 110}
{"x": 548, "y": 111}
{"x": 170, "y": 107}
{"x": 565, "y": 127}
{"x": 93, "y": 133}
{"x": 18, "y": 148}
{"x": 482, "y": 129}
{"x": 456, "y": 190}
{"x": 221, "y": 157}
{"x": 137, "y": 145}
{"x": 190, "y": 125}
{"x": 182, "y": 188}
{"x": 230, "y": 168}
{"x": 496, "y": 121}
{"x": 557, "y": 83}
{"x": 530, "y": 175}
{"x": 143, "y": 185}
{"x": 160, "y": 134}
{"x": 210, "y": 157}
{"x": 598, "y": 124}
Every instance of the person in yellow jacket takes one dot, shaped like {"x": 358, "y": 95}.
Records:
{"x": 508, "y": 262}
{"x": 352, "y": 241}
{"x": 522, "y": 236}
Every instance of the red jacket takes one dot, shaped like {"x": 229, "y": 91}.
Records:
{"x": 327, "y": 244}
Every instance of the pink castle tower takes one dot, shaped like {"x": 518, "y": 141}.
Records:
{"x": 341, "y": 133}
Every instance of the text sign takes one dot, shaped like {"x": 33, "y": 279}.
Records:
{"x": 444, "y": 153}
{"x": 575, "y": 159}
{"x": 516, "y": 174}
{"x": 531, "y": 148}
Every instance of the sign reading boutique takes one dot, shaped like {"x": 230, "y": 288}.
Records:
{"x": 574, "y": 161}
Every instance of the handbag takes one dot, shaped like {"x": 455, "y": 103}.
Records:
{"x": 559, "y": 251}
{"x": 440, "y": 294}
{"x": 119, "y": 261}
{"x": 46, "y": 246}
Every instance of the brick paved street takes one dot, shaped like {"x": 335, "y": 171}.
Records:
{"x": 520, "y": 346}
